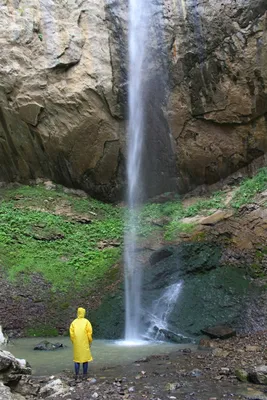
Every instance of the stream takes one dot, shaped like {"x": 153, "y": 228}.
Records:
{"x": 105, "y": 353}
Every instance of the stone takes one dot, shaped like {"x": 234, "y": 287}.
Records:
{"x": 258, "y": 375}
{"x": 12, "y": 369}
{"x": 159, "y": 255}
{"x": 220, "y": 353}
{"x": 64, "y": 94}
{"x": 30, "y": 113}
{"x": 47, "y": 346}
{"x": 241, "y": 375}
{"x": 219, "y": 332}
{"x": 196, "y": 373}
{"x": 54, "y": 388}
{"x": 218, "y": 216}
{"x": 225, "y": 371}
{"x": 253, "y": 348}
{"x": 252, "y": 394}
{"x": 6, "y": 394}
{"x": 6, "y": 360}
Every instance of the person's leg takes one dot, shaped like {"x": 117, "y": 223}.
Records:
{"x": 85, "y": 369}
{"x": 77, "y": 369}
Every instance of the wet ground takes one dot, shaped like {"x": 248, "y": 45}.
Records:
{"x": 184, "y": 374}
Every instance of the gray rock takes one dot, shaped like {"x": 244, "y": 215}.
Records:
{"x": 47, "y": 346}
{"x": 216, "y": 92}
{"x": 258, "y": 375}
{"x": 6, "y": 360}
{"x": 219, "y": 332}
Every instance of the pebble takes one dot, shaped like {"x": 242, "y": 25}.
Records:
{"x": 95, "y": 395}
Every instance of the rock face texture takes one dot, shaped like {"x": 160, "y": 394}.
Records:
{"x": 217, "y": 105}
{"x": 63, "y": 92}
{"x": 59, "y": 113}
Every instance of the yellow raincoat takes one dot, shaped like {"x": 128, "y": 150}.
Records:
{"x": 81, "y": 336}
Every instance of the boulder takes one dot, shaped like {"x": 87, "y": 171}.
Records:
{"x": 47, "y": 346}
{"x": 258, "y": 375}
{"x": 54, "y": 388}
{"x": 159, "y": 255}
{"x": 11, "y": 368}
{"x": 241, "y": 375}
{"x": 219, "y": 332}
{"x": 6, "y": 394}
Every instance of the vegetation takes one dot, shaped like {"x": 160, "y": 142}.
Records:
{"x": 33, "y": 238}
{"x": 41, "y": 331}
{"x": 249, "y": 188}
{"x": 73, "y": 241}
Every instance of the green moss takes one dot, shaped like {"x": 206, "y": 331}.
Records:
{"x": 255, "y": 270}
{"x": 41, "y": 331}
{"x": 34, "y": 239}
{"x": 249, "y": 188}
{"x": 176, "y": 227}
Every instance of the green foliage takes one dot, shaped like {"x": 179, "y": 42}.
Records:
{"x": 249, "y": 188}
{"x": 66, "y": 253}
{"x": 40, "y": 36}
{"x": 41, "y": 331}
{"x": 176, "y": 227}
{"x": 215, "y": 202}
{"x": 172, "y": 212}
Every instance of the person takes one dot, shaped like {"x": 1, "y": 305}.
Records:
{"x": 81, "y": 335}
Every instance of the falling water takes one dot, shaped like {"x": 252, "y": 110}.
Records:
{"x": 138, "y": 33}
{"x": 162, "y": 309}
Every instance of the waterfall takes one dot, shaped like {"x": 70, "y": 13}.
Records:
{"x": 138, "y": 34}
{"x": 162, "y": 309}
{"x": 3, "y": 339}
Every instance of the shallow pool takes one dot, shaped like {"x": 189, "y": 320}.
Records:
{"x": 105, "y": 353}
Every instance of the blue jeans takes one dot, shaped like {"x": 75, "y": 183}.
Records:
{"x": 77, "y": 368}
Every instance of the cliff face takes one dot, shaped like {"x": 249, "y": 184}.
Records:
{"x": 218, "y": 101}
{"x": 59, "y": 111}
{"x": 63, "y": 92}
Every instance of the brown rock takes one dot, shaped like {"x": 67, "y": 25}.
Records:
{"x": 218, "y": 216}
{"x": 220, "y": 332}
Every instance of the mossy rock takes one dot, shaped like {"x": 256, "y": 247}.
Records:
{"x": 108, "y": 319}
{"x": 211, "y": 294}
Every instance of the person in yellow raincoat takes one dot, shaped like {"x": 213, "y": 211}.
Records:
{"x": 81, "y": 335}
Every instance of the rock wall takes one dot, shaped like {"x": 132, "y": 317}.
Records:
{"x": 63, "y": 92}
{"x": 217, "y": 105}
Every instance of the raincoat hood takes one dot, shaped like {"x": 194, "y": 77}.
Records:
{"x": 80, "y": 312}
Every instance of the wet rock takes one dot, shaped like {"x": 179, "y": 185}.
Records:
{"x": 54, "y": 388}
{"x": 47, "y": 346}
{"x": 171, "y": 387}
{"x": 218, "y": 352}
{"x": 241, "y": 375}
{"x": 258, "y": 375}
{"x": 253, "y": 394}
{"x": 196, "y": 373}
{"x": 12, "y": 369}
{"x": 206, "y": 344}
{"x": 6, "y": 394}
{"x": 28, "y": 386}
{"x": 159, "y": 255}
{"x": 6, "y": 360}
{"x": 165, "y": 334}
{"x": 219, "y": 332}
